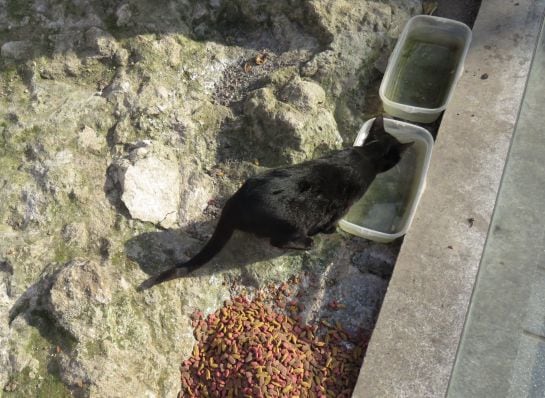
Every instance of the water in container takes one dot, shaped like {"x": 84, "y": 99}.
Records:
{"x": 384, "y": 205}
{"x": 425, "y": 70}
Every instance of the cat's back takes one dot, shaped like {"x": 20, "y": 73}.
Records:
{"x": 329, "y": 175}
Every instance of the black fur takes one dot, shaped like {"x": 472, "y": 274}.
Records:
{"x": 288, "y": 205}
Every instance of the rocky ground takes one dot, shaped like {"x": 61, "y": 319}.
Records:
{"x": 124, "y": 126}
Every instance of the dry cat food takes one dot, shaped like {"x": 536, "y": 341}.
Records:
{"x": 247, "y": 349}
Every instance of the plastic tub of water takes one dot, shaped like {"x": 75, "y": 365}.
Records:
{"x": 424, "y": 68}
{"x": 387, "y": 209}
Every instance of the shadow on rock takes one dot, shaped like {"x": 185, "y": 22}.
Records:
{"x": 158, "y": 251}
{"x": 95, "y": 27}
{"x": 34, "y": 308}
{"x": 345, "y": 282}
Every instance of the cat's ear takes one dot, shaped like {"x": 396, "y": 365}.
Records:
{"x": 378, "y": 127}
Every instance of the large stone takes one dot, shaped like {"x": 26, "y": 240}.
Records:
{"x": 89, "y": 302}
{"x": 305, "y": 95}
{"x": 151, "y": 190}
{"x": 293, "y": 125}
{"x": 361, "y": 33}
{"x": 79, "y": 286}
{"x": 155, "y": 187}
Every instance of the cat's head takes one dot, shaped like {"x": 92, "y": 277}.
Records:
{"x": 383, "y": 148}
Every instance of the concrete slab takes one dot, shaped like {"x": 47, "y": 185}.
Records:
{"x": 414, "y": 344}
{"x": 506, "y": 317}
{"x": 528, "y": 380}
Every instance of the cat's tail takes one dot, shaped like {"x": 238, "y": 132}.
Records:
{"x": 223, "y": 232}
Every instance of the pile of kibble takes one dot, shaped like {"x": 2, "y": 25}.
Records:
{"x": 248, "y": 349}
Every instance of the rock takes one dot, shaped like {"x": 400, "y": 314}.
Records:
{"x": 89, "y": 140}
{"x": 60, "y": 177}
{"x": 28, "y": 211}
{"x": 376, "y": 259}
{"x": 151, "y": 190}
{"x": 154, "y": 99}
{"x": 72, "y": 65}
{"x": 6, "y": 273}
{"x": 157, "y": 189}
{"x": 360, "y": 33}
{"x": 101, "y": 42}
{"x": 119, "y": 121}
{"x": 119, "y": 89}
{"x": 16, "y": 50}
{"x": 75, "y": 234}
{"x": 123, "y": 132}
{"x": 78, "y": 286}
{"x": 292, "y": 126}
{"x": 82, "y": 300}
{"x": 199, "y": 11}
{"x": 305, "y": 95}
{"x": 197, "y": 190}
{"x": 123, "y": 14}
{"x": 165, "y": 247}
{"x": 172, "y": 50}
{"x": 121, "y": 57}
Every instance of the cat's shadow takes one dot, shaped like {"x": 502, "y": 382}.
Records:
{"x": 158, "y": 251}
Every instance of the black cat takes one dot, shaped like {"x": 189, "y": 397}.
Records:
{"x": 290, "y": 204}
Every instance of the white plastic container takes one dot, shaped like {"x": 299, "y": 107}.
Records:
{"x": 424, "y": 68}
{"x": 394, "y": 218}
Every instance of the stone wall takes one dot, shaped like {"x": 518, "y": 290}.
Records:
{"x": 124, "y": 126}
